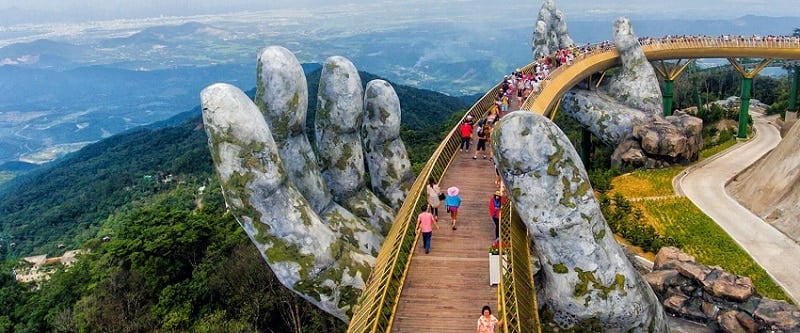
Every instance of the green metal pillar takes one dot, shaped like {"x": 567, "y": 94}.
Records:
{"x": 586, "y": 148}
{"x": 744, "y": 106}
{"x": 668, "y": 97}
{"x": 793, "y": 89}
{"x": 698, "y": 100}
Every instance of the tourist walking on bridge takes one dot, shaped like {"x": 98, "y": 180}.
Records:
{"x": 452, "y": 201}
{"x": 466, "y": 135}
{"x": 487, "y": 321}
{"x": 495, "y": 203}
{"x": 435, "y": 197}
{"x": 425, "y": 223}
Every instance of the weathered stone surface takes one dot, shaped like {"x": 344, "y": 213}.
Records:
{"x": 637, "y": 85}
{"x": 337, "y": 122}
{"x": 731, "y": 301}
{"x": 692, "y": 270}
{"x": 732, "y": 287}
{"x": 778, "y": 315}
{"x": 282, "y": 224}
{"x": 673, "y": 304}
{"x": 282, "y": 96}
{"x": 337, "y": 125}
{"x": 604, "y": 117}
{"x": 586, "y": 274}
{"x": 550, "y": 32}
{"x": 660, "y": 138}
{"x": 749, "y": 324}
{"x": 728, "y": 323}
{"x": 387, "y": 159}
{"x": 710, "y": 310}
{"x": 667, "y": 257}
{"x": 660, "y": 280}
{"x": 660, "y": 142}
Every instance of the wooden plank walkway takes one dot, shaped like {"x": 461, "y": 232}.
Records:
{"x": 445, "y": 289}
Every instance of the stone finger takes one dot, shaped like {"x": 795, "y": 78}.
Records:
{"x": 387, "y": 158}
{"x": 587, "y": 275}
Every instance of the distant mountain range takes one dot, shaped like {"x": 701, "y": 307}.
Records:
{"x": 59, "y": 95}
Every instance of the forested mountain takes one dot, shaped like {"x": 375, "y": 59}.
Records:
{"x": 65, "y": 203}
{"x": 175, "y": 260}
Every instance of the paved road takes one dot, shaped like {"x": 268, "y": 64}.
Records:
{"x": 705, "y": 186}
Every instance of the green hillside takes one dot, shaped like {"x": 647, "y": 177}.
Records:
{"x": 66, "y": 202}
{"x": 174, "y": 260}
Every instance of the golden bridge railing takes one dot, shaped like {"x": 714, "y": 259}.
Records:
{"x": 679, "y": 47}
{"x": 376, "y": 308}
{"x": 516, "y": 293}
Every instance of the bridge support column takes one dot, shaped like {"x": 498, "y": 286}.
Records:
{"x": 668, "y": 97}
{"x": 747, "y": 87}
{"x": 744, "y": 106}
{"x": 586, "y": 148}
{"x": 670, "y": 72}
{"x": 793, "y": 89}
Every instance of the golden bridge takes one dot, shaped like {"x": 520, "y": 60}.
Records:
{"x": 409, "y": 291}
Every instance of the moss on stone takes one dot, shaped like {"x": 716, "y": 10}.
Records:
{"x": 384, "y": 114}
{"x": 331, "y": 66}
{"x": 391, "y": 172}
{"x": 553, "y": 232}
{"x": 566, "y": 195}
{"x": 598, "y": 236}
{"x": 583, "y": 188}
{"x": 588, "y": 284}
{"x": 284, "y": 251}
{"x": 387, "y": 152}
{"x": 549, "y": 324}
{"x": 553, "y": 161}
{"x": 560, "y": 268}
{"x": 343, "y": 162}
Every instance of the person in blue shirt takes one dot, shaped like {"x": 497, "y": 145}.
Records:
{"x": 452, "y": 202}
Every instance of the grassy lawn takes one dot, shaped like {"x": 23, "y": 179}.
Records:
{"x": 680, "y": 219}
{"x": 645, "y": 183}
{"x": 706, "y": 153}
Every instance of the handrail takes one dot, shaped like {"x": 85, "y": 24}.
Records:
{"x": 516, "y": 292}
{"x": 378, "y": 302}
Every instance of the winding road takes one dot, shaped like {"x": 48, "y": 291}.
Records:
{"x": 704, "y": 185}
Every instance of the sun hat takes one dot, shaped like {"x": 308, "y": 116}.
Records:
{"x": 497, "y": 193}
{"x": 452, "y": 191}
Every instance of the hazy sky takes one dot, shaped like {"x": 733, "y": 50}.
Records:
{"x": 576, "y": 9}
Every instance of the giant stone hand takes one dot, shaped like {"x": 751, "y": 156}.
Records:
{"x": 308, "y": 209}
